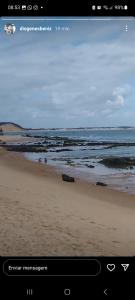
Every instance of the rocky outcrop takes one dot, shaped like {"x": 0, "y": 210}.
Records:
{"x": 67, "y": 178}
{"x": 101, "y": 183}
{"x": 61, "y": 150}
{"x": 118, "y": 162}
{"x": 26, "y": 148}
{"x": 89, "y": 166}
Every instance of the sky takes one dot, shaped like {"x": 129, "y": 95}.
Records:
{"x": 82, "y": 77}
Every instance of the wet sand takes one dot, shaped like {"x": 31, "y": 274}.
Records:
{"x": 15, "y": 138}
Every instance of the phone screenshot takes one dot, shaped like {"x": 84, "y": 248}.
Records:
{"x": 67, "y": 151}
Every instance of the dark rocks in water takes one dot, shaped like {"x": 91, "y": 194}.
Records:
{"x": 101, "y": 183}
{"x": 27, "y": 135}
{"x": 26, "y": 148}
{"x": 65, "y": 141}
{"x": 69, "y": 162}
{"x": 51, "y": 146}
{"x": 34, "y": 136}
{"x": 67, "y": 178}
{"x": 2, "y": 143}
{"x": 63, "y": 150}
{"x": 118, "y": 162}
{"x": 73, "y": 143}
{"x": 90, "y": 166}
{"x": 59, "y": 150}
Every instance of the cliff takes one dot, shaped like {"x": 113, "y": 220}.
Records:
{"x": 9, "y": 126}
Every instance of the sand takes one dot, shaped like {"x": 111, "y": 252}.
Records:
{"x": 15, "y": 138}
{"x": 43, "y": 216}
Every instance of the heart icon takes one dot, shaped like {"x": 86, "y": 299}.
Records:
{"x": 111, "y": 267}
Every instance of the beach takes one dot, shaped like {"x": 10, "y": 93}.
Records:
{"x": 41, "y": 215}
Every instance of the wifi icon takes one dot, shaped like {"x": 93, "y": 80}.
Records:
{"x": 125, "y": 266}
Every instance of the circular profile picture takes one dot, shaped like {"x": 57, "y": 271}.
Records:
{"x": 9, "y": 28}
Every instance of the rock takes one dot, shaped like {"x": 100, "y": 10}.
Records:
{"x": 26, "y": 148}
{"x": 62, "y": 150}
{"x": 69, "y": 161}
{"x": 101, "y": 183}
{"x": 90, "y": 166}
{"x": 2, "y": 143}
{"x": 68, "y": 178}
{"x": 118, "y": 162}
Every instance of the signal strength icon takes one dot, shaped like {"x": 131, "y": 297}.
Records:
{"x": 29, "y": 292}
{"x": 125, "y": 266}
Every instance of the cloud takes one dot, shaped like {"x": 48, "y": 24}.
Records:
{"x": 67, "y": 79}
{"x": 119, "y": 95}
{"x": 117, "y": 102}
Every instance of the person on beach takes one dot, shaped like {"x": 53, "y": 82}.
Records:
{"x": 45, "y": 160}
{"x": 39, "y": 160}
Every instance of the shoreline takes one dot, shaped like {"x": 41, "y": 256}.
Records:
{"x": 83, "y": 174}
{"x": 42, "y": 215}
{"x": 116, "y": 172}
{"x": 19, "y": 162}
